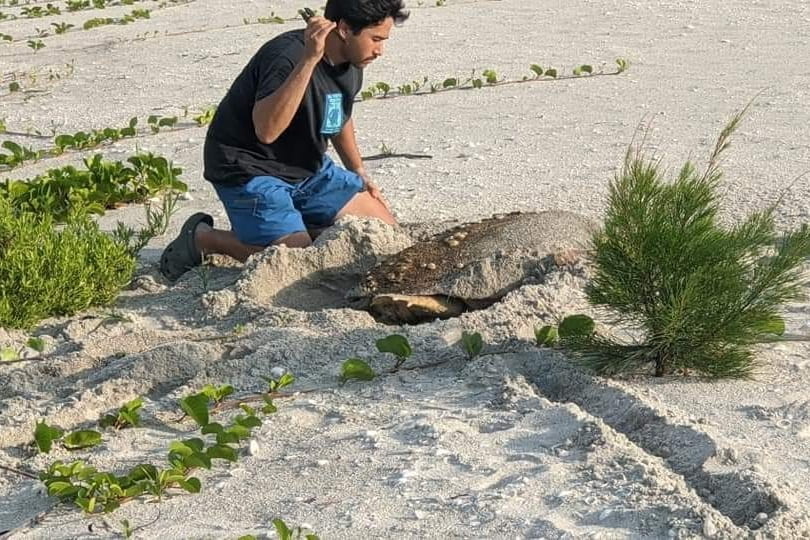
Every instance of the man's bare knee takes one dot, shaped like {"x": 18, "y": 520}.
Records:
{"x": 364, "y": 205}
{"x": 294, "y": 240}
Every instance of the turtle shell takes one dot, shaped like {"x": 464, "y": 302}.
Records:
{"x": 478, "y": 263}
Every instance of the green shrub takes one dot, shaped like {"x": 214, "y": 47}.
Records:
{"x": 47, "y": 271}
{"x": 700, "y": 294}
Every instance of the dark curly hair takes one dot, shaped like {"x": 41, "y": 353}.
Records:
{"x": 359, "y": 14}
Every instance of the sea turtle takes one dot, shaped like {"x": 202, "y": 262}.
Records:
{"x": 470, "y": 266}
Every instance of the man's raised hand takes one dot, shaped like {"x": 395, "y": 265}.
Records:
{"x": 315, "y": 36}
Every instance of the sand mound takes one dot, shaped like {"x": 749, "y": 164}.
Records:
{"x": 315, "y": 278}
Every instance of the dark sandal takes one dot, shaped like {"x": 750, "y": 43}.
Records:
{"x": 182, "y": 254}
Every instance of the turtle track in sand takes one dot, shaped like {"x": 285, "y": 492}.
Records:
{"x": 741, "y": 495}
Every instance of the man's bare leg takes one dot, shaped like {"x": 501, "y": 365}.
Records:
{"x": 211, "y": 241}
{"x": 361, "y": 205}
{"x": 364, "y": 205}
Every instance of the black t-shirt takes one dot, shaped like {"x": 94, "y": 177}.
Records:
{"x": 233, "y": 154}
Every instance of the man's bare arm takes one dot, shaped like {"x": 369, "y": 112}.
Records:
{"x": 345, "y": 144}
{"x": 273, "y": 114}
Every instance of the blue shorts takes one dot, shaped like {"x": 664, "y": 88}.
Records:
{"x": 268, "y": 208}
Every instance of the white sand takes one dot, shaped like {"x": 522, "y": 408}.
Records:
{"x": 516, "y": 444}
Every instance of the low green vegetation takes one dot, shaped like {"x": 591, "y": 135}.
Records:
{"x": 396, "y": 345}
{"x": 82, "y": 5}
{"x": 35, "y": 44}
{"x": 37, "y": 344}
{"x": 472, "y": 343}
{"x": 217, "y": 394}
{"x": 157, "y": 221}
{"x": 101, "y": 185}
{"x": 79, "y": 440}
{"x": 488, "y": 77}
{"x": 17, "y": 154}
{"x": 13, "y": 354}
{"x": 35, "y": 12}
{"x": 284, "y": 532}
{"x": 157, "y": 122}
{"x": 31, "y": 81}
{"x": 546, "y": 336}
{"x": 206, "y": 116}
{"x": 127, "y": 416}
{"x": 571, "y": 329}
{"x": 270, "y": 19}
{"x": 133, "y": 16}
{"x": 356, "y": 369}
{"x": 98, "y": 491}
{"x": 82, "y": 140}
{"x": 45, "y": 436}
{"x": 359, "y": 369}
{"x": 274, "y": 385}
{"x": 61, "y": 28}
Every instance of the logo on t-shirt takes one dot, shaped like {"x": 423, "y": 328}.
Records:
{"x": 332, "y": 114}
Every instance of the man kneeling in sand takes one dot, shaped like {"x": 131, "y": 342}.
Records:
{"x": 265, "y": 148}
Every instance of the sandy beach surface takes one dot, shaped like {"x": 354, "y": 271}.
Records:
{"x": 518, "y": 443}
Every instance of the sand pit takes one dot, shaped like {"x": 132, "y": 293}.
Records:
{"x": 518, "y": 443}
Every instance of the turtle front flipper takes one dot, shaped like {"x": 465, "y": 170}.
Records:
{"x": 403, "y": 309}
